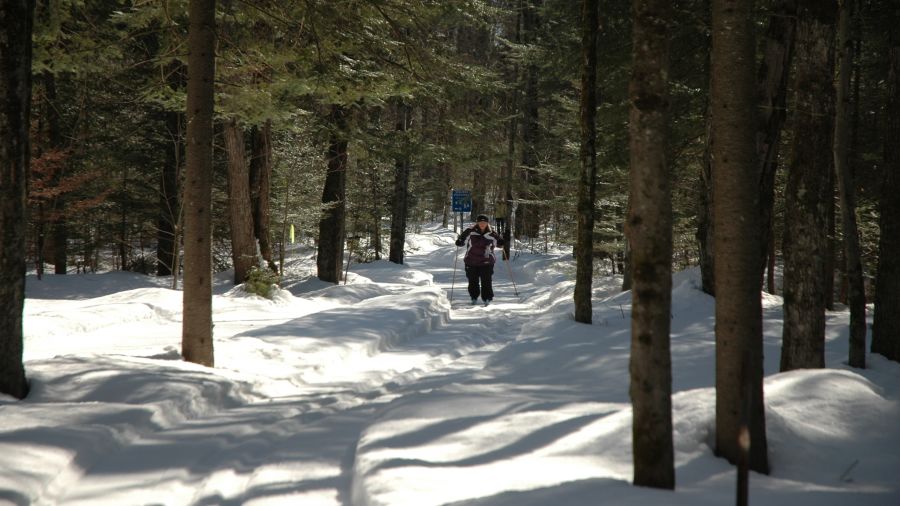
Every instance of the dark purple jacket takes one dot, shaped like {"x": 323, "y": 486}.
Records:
{"x": 479, "y": 246}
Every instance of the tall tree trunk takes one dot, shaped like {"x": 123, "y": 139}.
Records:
{"x": 260, "y": 189}
{"x": 772, "y": 81}
{"x": 376, "y": 214}
{"x": 15, "y": 104}
{"x": 60, "y": 237}
{"x": 169, "y": 203}
{"x": 240, "y": 208}
{"x": 527, "y": 216}
{"x": 830, "y": 240}
{"x": 739, "y": 366}
{"x": 512, "y": 135}
{"x": 650, "y": 233}
{"x": 331, "y": 225}
{"x": 770, "y": 267}
{"x": 846, "y": 187}
{"x": 479, "y": 189}
{"x": 886, "y": 325}
{"x": 400, "y": 207}
{"x": 808, "y": 190}
{"x": 507, "y": 180}
{"x": 509, "y": 169}
{"x": 706, "y": 232}
{"x": 58, "y": 227}
{"x": 626, "y": 269}
{"x": 39, "y": 242}
{"x": 124, "y": 240}
{"x": 196, "y": 333}
{"x": 587, "y": 184}
{"x": 169, "y": 220}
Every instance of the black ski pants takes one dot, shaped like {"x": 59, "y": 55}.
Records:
{"x": 480, "y": 275}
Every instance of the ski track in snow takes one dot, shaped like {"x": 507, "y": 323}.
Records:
{"x": 387, "y": 391}
{"x": 286, "y": 443}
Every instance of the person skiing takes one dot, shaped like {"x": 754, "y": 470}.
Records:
{"x": 480, "y": 241}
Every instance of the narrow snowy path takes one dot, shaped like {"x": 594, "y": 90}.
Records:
{"x": 301, "y": 449}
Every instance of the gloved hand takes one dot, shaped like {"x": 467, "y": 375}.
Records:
{"x": 459, "y": 242}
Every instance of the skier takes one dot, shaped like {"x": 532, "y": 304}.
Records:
{"x": 480, "y": 241}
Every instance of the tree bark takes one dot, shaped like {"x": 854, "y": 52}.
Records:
{"x": 650, "y": 234}
{"x": 809, "y": 189}
{"x": 58, "y": 226}
{"x": 706, "y": 232}
{"x": 587, "y": 184}
{"x": 197, "y": 335}
{"x": 846, "y": 187}
{"x": 15, "y": 105}
{"x": 169, "y": 203}
{"x": 735, "y": 170}
{"x": 260, "y": 189}
{"x": 240, "y": 207}
{"x": 376, "y": 210}
{"x": 772, "y": 81}
{"x": 527, "y": 216}
{"x": 507, "y": 183}
{"x": 886, "y": 324}
{"x": 331, "y": 225}
{"x": 512, "y": 136}
{"x": 401, "y": 190}
{"x": 830, "y": 239}
{"x": 124, "y": 240}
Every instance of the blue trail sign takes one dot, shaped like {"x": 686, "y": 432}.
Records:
{"x": 461, "y": 201}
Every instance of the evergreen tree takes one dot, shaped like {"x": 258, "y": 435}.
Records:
{"x": 587, "y": 184}
{"x": 528, "y": 217}
{"x": 15, "y": 101}
{"x": 197, "y": 332}
{"x": 650, "y": 236}
{"x": 243, "y": 240}
{"x": 846, "y": 185}
{"x": 886, "y": 324}
{"x": 332, "y": 223}
{"x": 400, "y": 209}
{"x": 772, "y": 84}
{"x": 740, "y": 412}
{"x": 261, "y": 188}
{"x": 809, "y": 188}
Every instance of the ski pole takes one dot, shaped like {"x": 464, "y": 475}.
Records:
{"x": 453, "y": 282}
{"x": 509, "y": 269}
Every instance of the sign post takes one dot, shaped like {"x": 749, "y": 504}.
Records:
{"x": 461, "y": 201}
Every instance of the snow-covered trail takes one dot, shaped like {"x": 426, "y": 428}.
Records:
{"x": 300, "y": 449}
{"x": 380, "y": 393}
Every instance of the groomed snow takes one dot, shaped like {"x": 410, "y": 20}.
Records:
{"x": 382, "y": 392}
